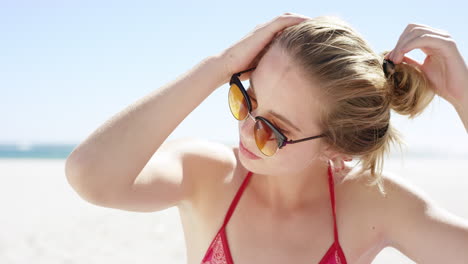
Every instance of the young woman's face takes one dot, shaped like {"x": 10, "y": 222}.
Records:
{"x": 276, "y": 85}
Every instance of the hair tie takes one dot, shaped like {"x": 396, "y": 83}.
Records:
{"x": 388, "y": 67}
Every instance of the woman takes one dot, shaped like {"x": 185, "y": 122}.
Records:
{"x": 318, "y": 96}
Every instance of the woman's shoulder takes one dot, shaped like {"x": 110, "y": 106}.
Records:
{"x": 367, "y": 202}
{"x": 213, "y": 158}
{"x": 364, "y": 190}
{"x": 219, "y": 174}
{"x": 215, "y": 166}
{"x": 203, "y": 150}
{"x": 393, "y": 187}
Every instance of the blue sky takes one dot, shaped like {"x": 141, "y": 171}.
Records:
{"x": 68, "y": 66}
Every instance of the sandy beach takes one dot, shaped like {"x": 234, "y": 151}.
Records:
{"x": 44, "y": 221}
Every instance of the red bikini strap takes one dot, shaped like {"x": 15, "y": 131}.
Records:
{"x": 236, "y": 199}
{"x": 331, "y": 186}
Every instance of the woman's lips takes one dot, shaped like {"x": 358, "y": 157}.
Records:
{"x": 246, "y": 152}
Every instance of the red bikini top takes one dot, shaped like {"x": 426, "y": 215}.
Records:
{"x": 218, "y": 252}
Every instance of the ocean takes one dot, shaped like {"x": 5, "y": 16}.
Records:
{"x": 39, "y": 151}
{"x": 61, "y": 151}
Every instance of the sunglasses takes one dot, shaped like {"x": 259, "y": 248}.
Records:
{"x": 268, "y": 137}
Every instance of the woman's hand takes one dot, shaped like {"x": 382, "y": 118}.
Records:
{"x": 444, "y": 66}
{"x": 241, "y": 55}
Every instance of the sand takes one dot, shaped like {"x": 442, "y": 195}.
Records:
{"x": 44, "y": 221}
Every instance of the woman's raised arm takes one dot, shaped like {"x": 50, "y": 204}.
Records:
{"x": 121, "y": 164}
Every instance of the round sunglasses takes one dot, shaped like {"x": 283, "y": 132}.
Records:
{"x": 268, "y": 138}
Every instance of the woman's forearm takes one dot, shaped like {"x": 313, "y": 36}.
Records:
{"x": 113, "y": 155}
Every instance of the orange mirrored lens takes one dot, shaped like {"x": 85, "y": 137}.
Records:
{"x": 237, "y": 102}
{"x": 265, "y": 138}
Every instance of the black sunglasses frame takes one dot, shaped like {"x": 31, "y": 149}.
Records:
{"x": 282, "y": 140}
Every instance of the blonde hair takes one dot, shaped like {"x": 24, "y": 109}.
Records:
{"x": 356, "y": 118}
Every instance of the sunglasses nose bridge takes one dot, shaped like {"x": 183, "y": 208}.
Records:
{"x": 251, "y": 117}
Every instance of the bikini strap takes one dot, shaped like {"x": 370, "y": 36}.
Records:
{"x": 332, "y": 196}
{"x": 236, "y": 199}
{"x": 241, "y": 189}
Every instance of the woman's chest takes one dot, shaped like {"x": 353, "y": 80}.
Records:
{"x": 264, "y": 238}
{"x": 255, "y": 235}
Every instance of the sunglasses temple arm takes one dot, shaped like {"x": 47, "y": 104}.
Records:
{"x": 300, "y": 140}
{"x": 239, "y": 73}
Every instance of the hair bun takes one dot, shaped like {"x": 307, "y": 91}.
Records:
{"x": 408, "y": 88}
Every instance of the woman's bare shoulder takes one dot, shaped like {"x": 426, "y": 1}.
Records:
{"x": 201, "y": 150}
{"x": 219, "y": 173}
{"x": 367, "y": 200}
{"x": 393, "y": 186}
{"x": 214, "y": 165}
{"x": 364, "y": 208}
{"x": 206, "y": 158}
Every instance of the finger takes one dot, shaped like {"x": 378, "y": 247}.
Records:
{"x": 425, "y": 42}
{"x": 267, "y": 31}
{"x": 413, "y": 33}
{"x": 283, "y": 21}
{"x": 436, "y": 31}
{"x": 412, "y": 26}
{"x": 388, "y": 55}
{"x": 410, "y": 61}
{"x": 278, "y": 33}
{"x": 280, "y": 22}
{"x": 403, "y": 35}
{"x": 413, "y": 30}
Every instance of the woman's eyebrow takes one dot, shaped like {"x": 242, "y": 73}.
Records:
{"x": 282, "y": 118}
{"x": 277, "y": 115}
